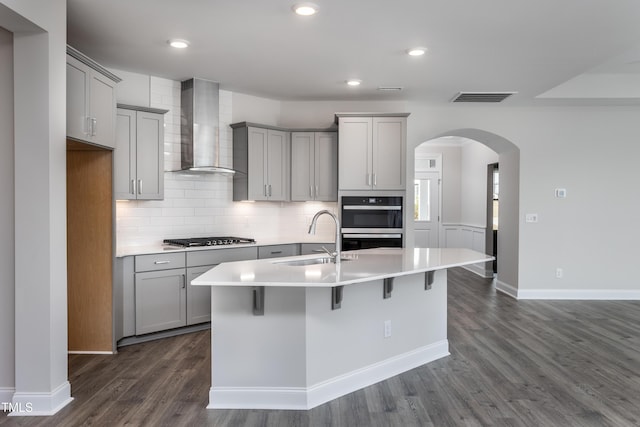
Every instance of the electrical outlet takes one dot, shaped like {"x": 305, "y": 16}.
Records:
{"x": 531, "y": 217}
{"x": 559, "y": 273}
{"x": 387, "y": 328}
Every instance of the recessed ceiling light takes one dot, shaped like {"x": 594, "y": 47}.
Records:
{"x": 305, "y": 9}
{"x": 417, "y": 51}
{"x": 178, "y": 44}
{"x": 354, "y": 82}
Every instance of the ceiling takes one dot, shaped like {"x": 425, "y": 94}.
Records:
{"x": 548, "y": 51}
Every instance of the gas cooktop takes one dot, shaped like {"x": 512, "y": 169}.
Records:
{"x": 209, "y": 241}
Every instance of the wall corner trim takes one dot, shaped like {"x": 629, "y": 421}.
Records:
{"x": 41, "y": 403}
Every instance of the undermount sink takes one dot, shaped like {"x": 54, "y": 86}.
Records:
{"x": 309, "y": 261}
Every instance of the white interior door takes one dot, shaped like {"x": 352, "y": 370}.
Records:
{"x": 427, "y": 209}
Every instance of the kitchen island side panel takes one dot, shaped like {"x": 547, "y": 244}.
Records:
{"x": 342, "y": 342}
{"x": 249, "y": 351}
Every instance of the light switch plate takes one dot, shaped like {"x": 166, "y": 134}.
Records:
{"x": 531, "y": 218}
{"x": 561, "y": 193}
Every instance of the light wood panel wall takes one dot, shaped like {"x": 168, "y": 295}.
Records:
{"x": 89, "y": 248}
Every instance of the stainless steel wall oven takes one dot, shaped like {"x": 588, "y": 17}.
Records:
{"x": 371, "y": 222}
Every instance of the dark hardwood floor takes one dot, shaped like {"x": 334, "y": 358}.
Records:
{"x": 512, "y": 363}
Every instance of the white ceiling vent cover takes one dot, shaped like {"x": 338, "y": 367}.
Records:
{"x": 482, "y": 96}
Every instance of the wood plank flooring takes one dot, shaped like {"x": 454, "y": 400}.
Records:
{"x": 512, "y": 363}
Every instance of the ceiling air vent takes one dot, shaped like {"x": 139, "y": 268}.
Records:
{"x": 390, "y": 88}
{"x": 481, "y": 96}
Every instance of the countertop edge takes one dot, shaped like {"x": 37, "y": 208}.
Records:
{"x": 379, "y": 276}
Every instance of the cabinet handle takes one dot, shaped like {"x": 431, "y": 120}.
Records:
{"x": 133, "y": 186}
{"x": 265, "y": 190}
{"x": 311, "y": 191}
{"x": 269, "y": 190}
{"x": 139, "y": 186}
{"x": 316, "y": 192}
{"x": 184, "y": 281}
{"x": 87, "y": 126}
{"x": 375, "y": 180}
{"x": 161, "y": 262}
{"x": 368, "y": 179}
{"x": 276, "y": 252}
{"x": 94, "y": 126}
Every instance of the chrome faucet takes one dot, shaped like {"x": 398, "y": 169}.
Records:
{"x": 312, "y": 230}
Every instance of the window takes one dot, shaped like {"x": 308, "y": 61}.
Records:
{"x": 422, "y": 197}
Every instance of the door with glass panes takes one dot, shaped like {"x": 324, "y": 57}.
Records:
{"x": 426, "y": 212}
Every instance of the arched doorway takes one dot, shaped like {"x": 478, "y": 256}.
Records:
{"x": 508, "y": 239}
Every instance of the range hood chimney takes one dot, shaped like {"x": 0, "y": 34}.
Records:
{"x": 199, "y": 128}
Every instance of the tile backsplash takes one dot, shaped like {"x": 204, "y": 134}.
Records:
{"x": 201, "y": 205}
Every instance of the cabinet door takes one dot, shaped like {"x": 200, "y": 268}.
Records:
{"x": 150, "y": 155}
{"x": 277, "y": 156}
{"x": 325, "y": 167}
{"x": 355, "y": 156}
{"x": 302, "y": 166}
{"x": 77, "y": 98}
{"x": 257, "y": 146}
{"x": 124, "y": 156}
{"x": 389, "y": 142}
{"x": 198, "y": 297}
{"x": 160, "y": 300}
{"x": 102, "y": 107}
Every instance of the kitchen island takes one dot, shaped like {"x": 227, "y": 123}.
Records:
{"x": 296, "y": 332}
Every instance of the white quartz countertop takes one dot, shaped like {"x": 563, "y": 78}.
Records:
{"x": 362, "y": 266}
{"x": 164, "y": 248}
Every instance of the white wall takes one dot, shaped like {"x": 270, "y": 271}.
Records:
{"x": 589, "y": 151}
{"x": 40, "y": 201}
{"x": 473, "y": 196}
{"x": 7, "y": 221}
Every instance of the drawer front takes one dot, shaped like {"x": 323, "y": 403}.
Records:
{"x": 277, "y": 251}
{"x": 315, "y": 248}
{"x": 156, "y": 262}
{"x": 216, "y": 256}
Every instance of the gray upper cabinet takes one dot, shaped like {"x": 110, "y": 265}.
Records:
{"x": 261, "y": 159}
{"x": 91, "y": 101}
{"x": 314, "y": 166}
{"x": 139, "y": 154}
{"x": 372, "y": 152}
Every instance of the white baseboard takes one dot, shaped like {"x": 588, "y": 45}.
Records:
{"x": 579, "y": 294}
{"x": 301, "y": 398}
{"x": 41, "y": 404}
{"x": 6, "y": 394}
{"x": 507, "y": 289}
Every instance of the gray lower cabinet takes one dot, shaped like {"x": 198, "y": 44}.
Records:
{"x": 198, "y": 297}
{"x": 160, "y": 300}
{"x": 316, "y": 248}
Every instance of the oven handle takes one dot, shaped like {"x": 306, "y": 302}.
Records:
{"x": 372, "y": 236}
{"x": 371, "y": 230}
{"x": 371, "y": 208}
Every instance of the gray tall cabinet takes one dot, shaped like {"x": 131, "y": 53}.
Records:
{"x": 261, "y": 157}
{"x": 139, "y": 154}
{"x": 372, "y": 151}
{"x": 91, "y": 100}
{"x": 314, "y": 166}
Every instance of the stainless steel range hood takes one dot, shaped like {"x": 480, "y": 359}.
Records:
{"x": 199, "y": 128}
